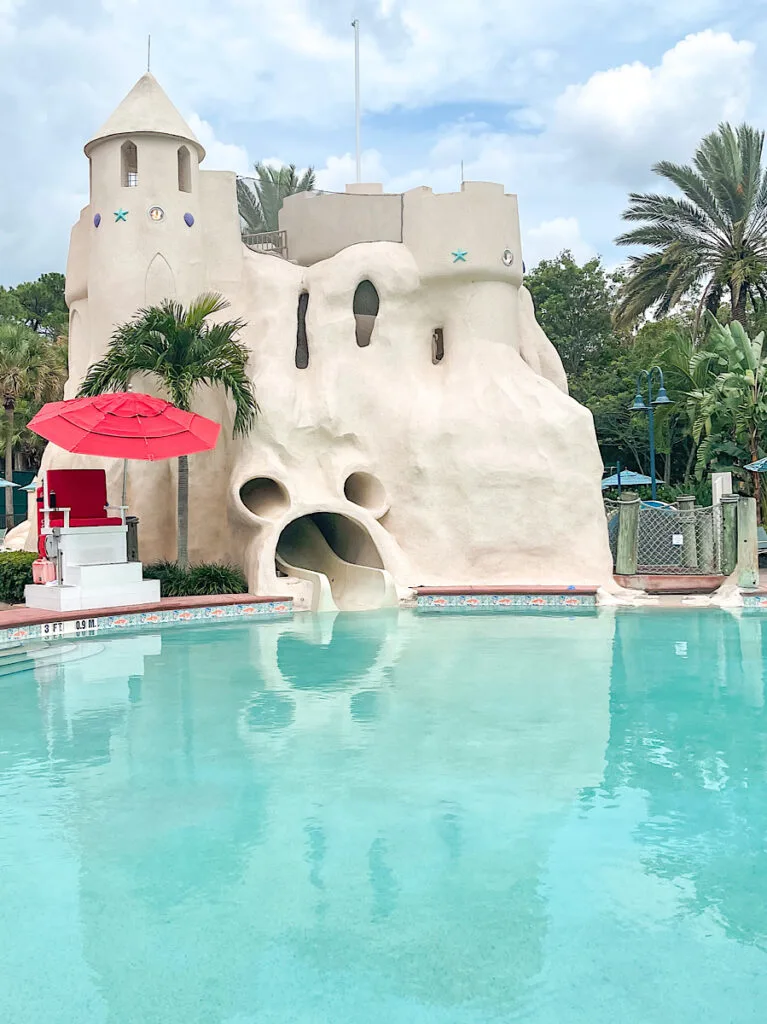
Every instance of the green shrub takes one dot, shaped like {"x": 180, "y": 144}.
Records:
{"x": 701, "y": 489}
{"x": 206, "y": 579}
{"x": 15, "y": 573}
{"x": 173, "y": 580}
{"x": 216, "y": 578}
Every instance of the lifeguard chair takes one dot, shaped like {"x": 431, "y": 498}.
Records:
{"x": 85, "y": 543}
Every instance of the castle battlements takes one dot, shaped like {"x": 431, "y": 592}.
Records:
{"x": 472, "y": 234}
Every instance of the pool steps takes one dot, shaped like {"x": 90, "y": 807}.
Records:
{"x": 20, "y": 657}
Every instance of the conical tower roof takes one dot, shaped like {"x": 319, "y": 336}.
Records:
{"x": 146, "y": 110}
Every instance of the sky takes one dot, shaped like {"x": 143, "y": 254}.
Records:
{"x": 567, "y": 103}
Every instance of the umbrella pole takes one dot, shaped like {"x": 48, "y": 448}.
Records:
{"x": 125, "y": 482}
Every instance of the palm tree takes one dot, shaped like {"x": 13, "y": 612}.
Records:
{"x": 30, "y": 371}
{"x": 261, "y": 202}
{"x": 712, "y": 240}
{"x": 182, "y": 352}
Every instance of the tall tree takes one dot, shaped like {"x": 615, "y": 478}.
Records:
{"x": 39, "y": 304}
{"x": 260, "y": 198}
{"x": 711, "y": 241}
{"x": 175, "y": 345}
{"x": 29, "y": 371}
{"x": 573, "y": 305}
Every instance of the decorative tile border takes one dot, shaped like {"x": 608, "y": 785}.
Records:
{"x": 502, "y": 602}
{"x": 754, "y": 600}
{"x": 88, "y": 625}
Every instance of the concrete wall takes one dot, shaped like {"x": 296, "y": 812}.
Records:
{"x": 480, "y": 221}
{"x": 320, "y": 225}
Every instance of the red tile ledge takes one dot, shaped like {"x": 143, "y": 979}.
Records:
{"x": 20, "y": 615}
{"x": 534, "y": 590}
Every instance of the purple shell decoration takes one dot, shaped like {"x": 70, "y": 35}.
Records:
{"x": 188, "y": 219}
{"x": 97, "y": 220}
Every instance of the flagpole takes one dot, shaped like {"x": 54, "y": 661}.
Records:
{"x": 357, "y": 116}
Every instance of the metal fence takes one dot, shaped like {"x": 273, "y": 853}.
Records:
{"x": 673, "y": 541}
{"x": 676, "y": 541}
{"x": 274, "y": 243}
{"x": 611, "y": 511}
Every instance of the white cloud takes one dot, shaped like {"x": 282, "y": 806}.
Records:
{"x": 219, "y": 156}
{"x": 340, "y": 171}
{"x": 278, "y": 78}
{"x": 621, "y": 120}
{"x": 550, "y": 237}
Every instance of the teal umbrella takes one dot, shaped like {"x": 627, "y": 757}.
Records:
{"x": 760, "y": 466}
{"x": 627, "y": 478}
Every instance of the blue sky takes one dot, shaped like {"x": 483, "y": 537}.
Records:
{"x": 568, "y": 104}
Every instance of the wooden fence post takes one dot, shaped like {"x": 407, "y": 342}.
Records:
{"x": 628, "y": 534}
{"x": 706, "y": 540}
{"x": 748, "y": 557}
{"x": 729, "y": 506}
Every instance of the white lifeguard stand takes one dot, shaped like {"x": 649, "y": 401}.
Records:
{"x": 86, "y": 545}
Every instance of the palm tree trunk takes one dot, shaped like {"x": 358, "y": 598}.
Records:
{"x": 690, "y": 462}
{"x": 9, "y": 411}
{"x": 738, "y": 304}
{"x": 182, "y": 555}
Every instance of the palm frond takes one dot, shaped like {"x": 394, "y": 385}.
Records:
{"x": 712, "y": 238}
{"x": 260, "y": 198}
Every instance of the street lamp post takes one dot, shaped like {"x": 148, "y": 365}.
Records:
{"x": 640, "y": 406}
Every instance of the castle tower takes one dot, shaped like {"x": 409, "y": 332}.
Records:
{"x": 139, "y": 239}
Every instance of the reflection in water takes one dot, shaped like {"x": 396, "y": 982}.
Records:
{"x": 363, "y": 706}
{"x": 354, "y": 645}
{"x": 316, "y": 848}
{"x": 689, "y": 730}
{"x": 450, "y": 830}
{"x": 270, "y": 710}
{"x": 382, "y": 880}
{"x": 390, "y": 818}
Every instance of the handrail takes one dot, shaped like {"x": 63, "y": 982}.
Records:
{"x": 273, "y": 243}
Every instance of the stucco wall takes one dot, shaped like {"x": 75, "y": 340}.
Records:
{"x": 320, "y": 225}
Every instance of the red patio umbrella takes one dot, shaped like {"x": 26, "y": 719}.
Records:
{"x": 125, "y": 425}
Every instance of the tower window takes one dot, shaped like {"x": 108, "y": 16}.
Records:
{"x": 184, "y": 170}
{"x": 365, "y": 308}
{"x": 302, "y": 341}
{"x": 129, "y": 164}
{"x": 437, "y": 345}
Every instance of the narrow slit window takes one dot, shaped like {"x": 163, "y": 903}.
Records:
{"x": 184, "y": 170}
{"x": 302, "y": 340}
{"x": 129, "y": 162}
{"x": 437, "y": 345}
{"x": 365, "y": 306}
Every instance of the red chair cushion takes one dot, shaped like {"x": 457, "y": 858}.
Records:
{"x": 82, "y": 491}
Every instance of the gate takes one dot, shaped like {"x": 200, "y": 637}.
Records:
{"x": 672, "y": 540}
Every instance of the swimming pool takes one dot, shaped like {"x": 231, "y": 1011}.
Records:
{"x": 389, "y": 818}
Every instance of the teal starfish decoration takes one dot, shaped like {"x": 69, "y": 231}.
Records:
{"x": 121, "y": 215}
{"x": 459, "y": 256}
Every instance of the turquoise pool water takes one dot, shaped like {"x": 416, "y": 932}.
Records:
{"x": 390, "y": 820}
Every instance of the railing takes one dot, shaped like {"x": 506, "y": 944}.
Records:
{"x": 274, "y": 243}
